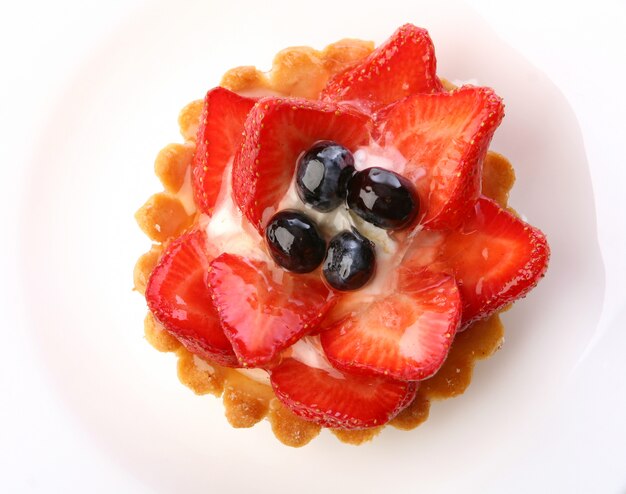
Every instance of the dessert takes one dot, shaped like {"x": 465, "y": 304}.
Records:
{"x": 333, "y": 246}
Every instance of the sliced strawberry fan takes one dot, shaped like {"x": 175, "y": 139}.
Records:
{"x": 470, "y": 259}
{"x": 339, "y": 400}
{"x": 495, "y": 258}
{"x": 444, "y": 138}
{"x": 405, "y": 64}
{"x": 219, "y": 136}
{"x": 260, "y": 315}
{"x": 404, "y": 334}
{"x": 178, "y": 295}
{"x": 276, "y": 131}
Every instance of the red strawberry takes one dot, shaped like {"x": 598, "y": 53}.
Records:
{"x": 219, "y": 136}
{"x": 276, "y": 132}
{"x": 334, "y": 399}
{"x": 445, "y": 138}
{"x": 264, "y": 310}
{"x": 495, "y": 258}
{"x": 178, "y": 295}
{"x": 405, "y": 333}
{"x": 405, "y": 64}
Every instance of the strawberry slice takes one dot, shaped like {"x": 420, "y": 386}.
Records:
{"x": 219, "y": 136}
{"x": 178, "y": 295}
{"x": 264, "y": 310}
{"x": 404, "y": 334}
{"x": 405, "y": 64}
{"x": 444, "y": 138}
{"x": 276, "y": 132}
{"x": 495, "y": 257}
{"x": 335, "y": 399}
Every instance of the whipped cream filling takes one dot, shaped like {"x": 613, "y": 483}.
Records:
{"x": 374, "y": 154}
{"x": 308, "y": 350}
{"x": 259, "y": 93}
{"x": 258, "y": 375}
{"x": 341, "y": 218}
{"x": 229, "y": 231}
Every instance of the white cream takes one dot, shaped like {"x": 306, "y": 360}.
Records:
{"x": 203, "y": 365}
{"x": 260, "y": 93}
{"x": 258, "y": 375}
{"x": 308, "y": 350}
{"x": 342, "y": 218}
{"x": 388, "y": 158}
{"x": 228, "y": 231}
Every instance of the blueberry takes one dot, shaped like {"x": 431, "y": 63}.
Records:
{"x": 383, "y": 198}
{"x": 350, "y": 261}
{"x": 294, "y": 241}
{"x": 322, "y": 174}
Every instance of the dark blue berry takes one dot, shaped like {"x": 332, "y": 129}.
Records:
{"x": 294, "y": 241}
{"x": 350, "y": 261}
{"x": 383, "y": 198}
{"x": 322, "y": 175}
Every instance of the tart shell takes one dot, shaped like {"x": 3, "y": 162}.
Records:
{"x": 297, "y": 72}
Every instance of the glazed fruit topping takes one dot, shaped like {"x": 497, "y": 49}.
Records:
{"x": 178, "y": 295}
{"x": 294, "y": 241}
{"x": 336, "y": 399}
{"x": 405, "y": 64}
{"x": 495, "y": 257}
{"x": 404, "y": 333}
{"x": 468, "y": 259}
{"x": 276, "y": 132}
{"x": 219, "y": 134}
{"x": 322, "y": 175}
{"x": 263, "y": 310}
{"x": 445, "y": 139}
{"x": 383, "y": 198}
{"x": 350, "y": 261}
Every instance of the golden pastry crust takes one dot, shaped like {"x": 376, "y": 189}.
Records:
{"x": 289, "y": 428}
{"x": 144, "y": 266}
{"x": 163, "y": 217}
{"x": 358, "y": 436}
{"x": 157, "y": 336}
{"x": 200, "y": 376}
{"x": 298, "y": 72}
{"x": 188, "y": 120}
{"x": 171, "y": 165}
{"x": 498, "y": 178}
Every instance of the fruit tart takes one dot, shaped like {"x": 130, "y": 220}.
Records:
{"x": 333, "y": 246}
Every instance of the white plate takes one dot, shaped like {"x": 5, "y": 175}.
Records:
{"x": 93, "y": 168}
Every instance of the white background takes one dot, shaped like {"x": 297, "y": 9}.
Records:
{"x": 580, "y": 46}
